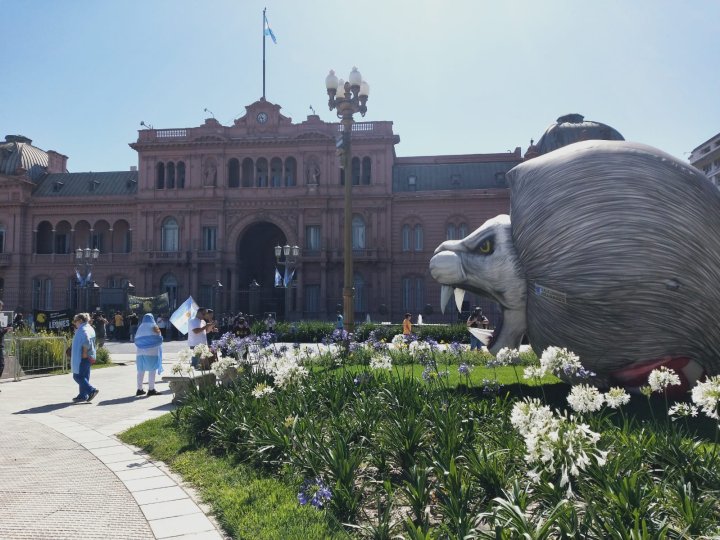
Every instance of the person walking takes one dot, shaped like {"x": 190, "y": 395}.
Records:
{"x": 148, "y": 345}
{"x": 100, "y": 324}
{"x": 82, "y": 356}
{"x": 3, "y": 331}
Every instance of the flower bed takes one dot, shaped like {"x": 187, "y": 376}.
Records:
{"x": 389, "y": 454}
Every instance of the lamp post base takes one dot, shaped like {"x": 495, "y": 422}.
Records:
{"x": 349, "y": 309}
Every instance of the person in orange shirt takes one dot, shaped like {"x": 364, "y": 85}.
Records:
{"x": 407, "y": 325}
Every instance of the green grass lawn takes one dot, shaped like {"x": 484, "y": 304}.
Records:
{"x": 246, "y": 503}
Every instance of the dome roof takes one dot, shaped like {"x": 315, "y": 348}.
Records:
{"x": 17, "y": 152}
{"x": 572, "y": 128}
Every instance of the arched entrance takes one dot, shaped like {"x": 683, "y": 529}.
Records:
{"x": 256, "y": 291}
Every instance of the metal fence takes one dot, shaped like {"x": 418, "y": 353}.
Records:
{"x": 33, "y": 356}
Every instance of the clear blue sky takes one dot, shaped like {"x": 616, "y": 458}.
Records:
{"x": 455, "y": 76}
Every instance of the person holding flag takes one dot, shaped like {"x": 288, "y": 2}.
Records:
{"x": 148, "y": 345}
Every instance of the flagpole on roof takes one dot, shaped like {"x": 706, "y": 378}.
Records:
{"x": 263, "y": 33}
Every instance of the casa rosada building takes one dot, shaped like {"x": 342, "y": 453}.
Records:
{"x": 204, "y": 208}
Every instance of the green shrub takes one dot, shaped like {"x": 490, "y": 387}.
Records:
{"x": 41, "y": 352}
{"x": 102, "y": 356}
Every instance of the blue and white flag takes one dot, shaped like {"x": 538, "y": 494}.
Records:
{"x": 288, "y": 276}
{"x": 79, "y": 279}
{"x": 268, "y": 30}
{"x": 278, "y": 278}
{"x": 182, "y": 315}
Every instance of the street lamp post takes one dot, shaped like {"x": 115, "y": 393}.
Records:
{"x": 217, "y": 289}
{"x": 287, "y": 256}
{"x": 347, "y": 98}
{"x": 85, "y": 258}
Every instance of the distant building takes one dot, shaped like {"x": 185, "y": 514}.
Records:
{"x": 706, "y": 157}
{"x": 208, "y": 204}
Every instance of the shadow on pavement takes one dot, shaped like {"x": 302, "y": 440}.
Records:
{"x": 119, "y": 401}
{"x": 50, "y": 407}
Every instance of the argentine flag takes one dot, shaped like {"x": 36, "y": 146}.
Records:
{"x": 268, "y": 30}
{"x": 278, "y": 278}
{"x": 183, "y": 314}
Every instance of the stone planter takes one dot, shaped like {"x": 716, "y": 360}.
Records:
{"x": 181, "y": 385}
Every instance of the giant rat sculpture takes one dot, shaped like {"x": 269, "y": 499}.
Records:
{"x": 612, "y": 250}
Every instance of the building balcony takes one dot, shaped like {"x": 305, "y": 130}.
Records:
{"x": 160, "y": 257}
{"x": 5, "y": 259}
{"x": 207, "y": 256}
{"x": 359, "y": 255}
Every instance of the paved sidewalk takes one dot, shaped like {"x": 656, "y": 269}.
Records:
{"x": 64, "y": 474}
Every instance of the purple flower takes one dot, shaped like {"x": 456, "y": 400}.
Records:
{"x": 464, "y": 369}
{"x": 315, "y": 492}
{"x": 456, "y": 347}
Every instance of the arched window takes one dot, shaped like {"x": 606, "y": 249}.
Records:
{"x": 462, "y": 231}
{"x": 276, "y": 170}
{"x": 358, "y": 233}
{"x": 360, "y": 294}
{"x": 233, "y": 173}
{"x": 247, "y": 172}
{"x": 261, "y": 180}
{"x": 44, "y": 240}
{"x": 413, "y": 293}
{"x": 2, "y": 238}
{"x": 290, "y": 171}
{"x": 406, "y": 238}
{"x": 366, "y": 171}
{"x": 169, "y": 238}
{"x": 170, "y": 184}
{"x": 356, "y": 171}
{"x": 451, "y": 233}
{"x": 160, "y": 176}
{"x": 181, "y": 175}
{"x": 342, "y": 177}
{"x": 418, "y": 238}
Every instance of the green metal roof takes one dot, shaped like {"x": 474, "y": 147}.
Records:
{"x": 88, "y": 184}
{"x": 457, "y": 176}
{"x": 18, "y": 152}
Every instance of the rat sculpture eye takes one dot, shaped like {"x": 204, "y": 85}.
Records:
{"x": 486, "y": 247}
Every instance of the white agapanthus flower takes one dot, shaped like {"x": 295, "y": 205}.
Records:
{"x": 261, "y": 390}
{"x": 682, "y": 410}
{"x": 220, "y": 367}
{"x": 184, "y": 355}
{"x": 381, "y": 362}
{"x": 661, "y": 378}
{"x": 616, "y": 397}
{"x": 584, "y": 398}
{"x": 416, "y": 347}
{"x": 529, "y": 414}
{"x": 285, "y": 371}
{"x": 182, "y": 368}
{"x": 706, "y": 395}
{"x": 555, "y": 445}
{"x": 398, "y": 342}
{"x": 560, "y": 361}
{"x": 533, "y": 372}
{"x": 203, "y": 351}
{"x": 507, "y": 356}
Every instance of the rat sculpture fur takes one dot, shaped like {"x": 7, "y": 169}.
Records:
{"x": 612, "y": 250}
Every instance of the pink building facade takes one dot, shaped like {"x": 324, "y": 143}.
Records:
{"x": 206, "y": 206}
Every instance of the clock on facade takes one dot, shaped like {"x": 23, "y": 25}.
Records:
{"x": 261, "y": 117}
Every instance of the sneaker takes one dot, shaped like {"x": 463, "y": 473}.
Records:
{"x": 93, "y": 394}
{"x": 78, "y": 398}
{"x": 153, "y": 392}
{"x": 140, "y": 392}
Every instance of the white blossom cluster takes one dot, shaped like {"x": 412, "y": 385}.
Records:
{"x": 203, "y": 351}
{"x": 661, "y": 378}
{"x": 682, "y": 410}
{"x": 261, "y": 390}
{"x": 381, "y": 361}
{"x": 285, "y": 371}
{"x": 182, "y": 367}
{"x": 559, "y": 361}
{"x": 398, "y": 342}
{"x": 556, "y": 445}
{"x": 584, "y": 398}
{"x": 220, "y": 367}
{"x": 184, "y": 355}
{"x": 507, "y": 356}
{"x": 706, "y": 395}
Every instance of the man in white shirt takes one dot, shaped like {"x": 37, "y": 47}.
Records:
{"x": 197, "y": 332}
